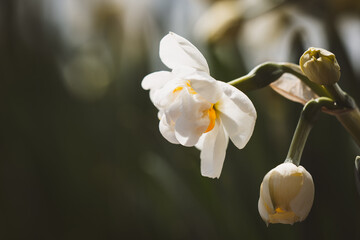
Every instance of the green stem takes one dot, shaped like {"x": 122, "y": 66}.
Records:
{"x": 351, "y": 122}
{"x": 349, "y": 116}
{"x": 259, "y": 77}
{"x": 266, "y": 73}
{"x": 298, "y": 142}
{"x": 337, "y": 94}
{"x": 307, "y": 119}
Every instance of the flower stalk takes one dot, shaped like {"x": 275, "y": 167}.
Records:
{"x": 307, "y": 120}
{"x": 261, "y": 76}
{"x": 348, "y": 114}
{"x": 351, "y": 122}
{"x": 267, "y": 73}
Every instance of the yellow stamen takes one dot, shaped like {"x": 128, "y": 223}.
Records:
{"x": 191, "y": 90}
{"x": 280, "y": 210}
{"x": 283, "y": 217}
{"x": 212, "y": 117}
{"x": 177, "y": 89}
{"x": 297, "y": 174}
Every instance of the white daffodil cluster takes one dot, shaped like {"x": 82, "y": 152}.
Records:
{"x": 194, "y": 108}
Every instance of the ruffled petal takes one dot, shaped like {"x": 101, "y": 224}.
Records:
{"x": 238, "y": 98}
{"x": 165, "y": 96}
{"x": 193, "y": 121}
{"x": 214, "y": 144}
{"x": 237, "y": 114}
{"x": 187, "y": 139}
{"x": 167, "y": 130}
{"x": 200, "y": 144}
{"x": 176, "y": 51}
{"x": 156, "y": 80}
{"x": 205, "y": 86}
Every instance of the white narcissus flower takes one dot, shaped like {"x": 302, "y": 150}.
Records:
{"x": 286, "y": 194}
{"x": 194, "y": 108}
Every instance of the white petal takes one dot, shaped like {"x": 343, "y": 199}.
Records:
{"x": 164, "y": 96}
{"x": 176, "y": 51}
{"x": 265, "y": 205}
{"x": 302, "y": 204}
{"x": 184, "y": 135}
{"x": 167, "y": 131}
{"x": 238, "y": 115}
{"x": 293, "y": 89}
{"x": 213, "y": 151}
{"x": 156, "y": 80}
{"x": 206, "y": 86}
{"x": 200, "y": 144}
{"x": 192, "y": 122}
{"x": 183, "y": 72}
{"x": 239, "y": 98}
{"x": 262, "y": 210}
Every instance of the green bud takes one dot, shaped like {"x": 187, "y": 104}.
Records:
{"x": 320, "y": 66}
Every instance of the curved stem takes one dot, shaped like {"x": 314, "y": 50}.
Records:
{"x": 307, "y": 119}
{"x": 298, "y": 142}
{"x": 259, "y": 77}
{"x": 349, "y": 117}
{"x": 266, "y": 73}
{"x": 336, "y": 92}
{"x": 351, "y": 122}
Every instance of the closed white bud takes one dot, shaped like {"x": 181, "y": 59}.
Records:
{"x": 320, "y": 66}
{"x": 286, "y": 194}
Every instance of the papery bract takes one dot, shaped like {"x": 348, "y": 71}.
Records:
{"x": 292, "y": 88}
{"x": 194, "y": 108}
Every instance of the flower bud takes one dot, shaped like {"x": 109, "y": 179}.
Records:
{"x": 286, "y": 194}
{"x": 320, "y": 66}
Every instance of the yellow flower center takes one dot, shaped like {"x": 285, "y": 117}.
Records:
{"x": 280, "y": 210}
{"x": 191, "y": 90}
{"x": 282, "y": 215}
{"x": 212, "y": 117}
{"x": 210, "y": 112}
{"x": 178, "y": 89}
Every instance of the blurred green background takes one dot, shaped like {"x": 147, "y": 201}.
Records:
{"x": 81, "y": 156}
